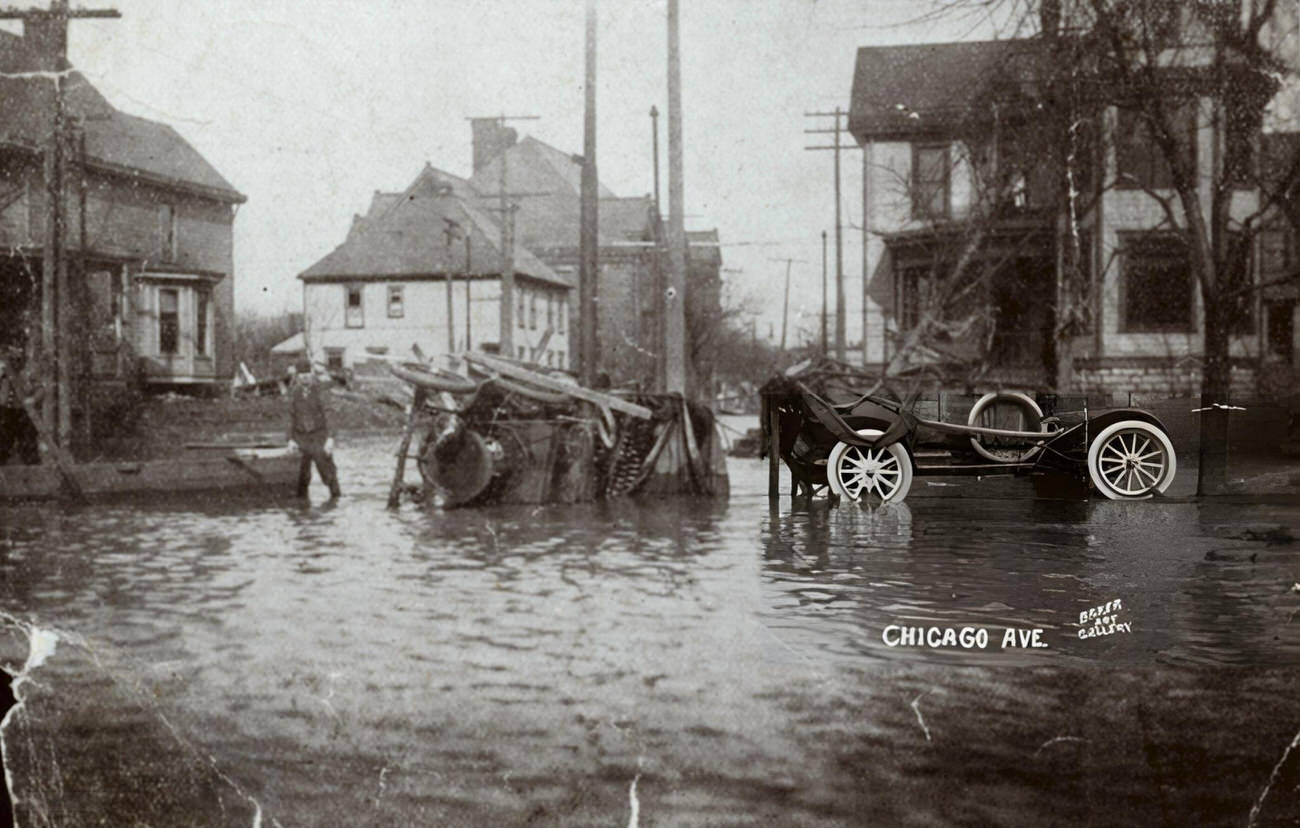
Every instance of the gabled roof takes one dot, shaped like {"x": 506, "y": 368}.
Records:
{"x": 626, "y": 219}
{"x": 703, "y": 248}
{"x": 901, "y": 92}
{"x": 554, "y": 222}
{"x": 533, "y": 166}
{"x": 115, "y": 141}
{"x": 421, "y": 232}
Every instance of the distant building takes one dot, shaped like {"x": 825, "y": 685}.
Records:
{"x": 633, "y": 261}
{"x": 423, "y": 267}
{"x": 148, "y": 233}
{"x": 410, "y": 244}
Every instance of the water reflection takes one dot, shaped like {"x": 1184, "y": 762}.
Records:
{"x": 507, "y": 665}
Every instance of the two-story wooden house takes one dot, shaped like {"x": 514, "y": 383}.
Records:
{"x": 1068, "y": 268}
{"x": 148, "y": 233}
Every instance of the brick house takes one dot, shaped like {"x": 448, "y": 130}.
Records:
{"x": 630, "y": 238}
{"x": 148, "y": 234}
{"x": 954, "y": 175}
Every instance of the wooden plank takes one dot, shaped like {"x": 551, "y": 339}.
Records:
{"x": 577, "y": 391}
{"x": 156, "y": 476}
{"x": 395, "y": 491}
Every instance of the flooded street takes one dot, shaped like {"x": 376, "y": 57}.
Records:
{"x": 670, "y": 662}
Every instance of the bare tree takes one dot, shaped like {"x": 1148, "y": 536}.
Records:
{"x": 1165, "y": 74}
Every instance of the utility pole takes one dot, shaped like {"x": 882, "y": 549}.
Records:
{"x": 451, "y": 232}
{"x": 469, "y": 340}
{"x": 866, "y": 240}
{"x": 589, "y": 218}
{"x": 658, "y": 260}
{"x": 54, "y": 363}
{"x": 839, "y": 227}
{"x": 506, "y": 208}
{"x": 824, "y": 343}
{"x": 654, "y": 151}
{"x": 785, "y": 306}
{"x": 674, "y": 296}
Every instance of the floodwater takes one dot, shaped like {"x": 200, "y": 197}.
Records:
{"x": 679, "y": 662}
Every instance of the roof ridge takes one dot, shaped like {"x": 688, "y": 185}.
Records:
{"x": 987, "y": 42}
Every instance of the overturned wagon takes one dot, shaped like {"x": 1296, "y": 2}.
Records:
{"x": 507, "y": 434}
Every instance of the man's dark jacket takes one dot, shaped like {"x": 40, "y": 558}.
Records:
{"x": 307, "y": 415}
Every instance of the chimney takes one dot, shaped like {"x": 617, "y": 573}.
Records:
{"x": 47, "y": 40}
{"x": 490, "y": 139}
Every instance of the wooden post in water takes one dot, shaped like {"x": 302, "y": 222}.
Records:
{"x": 773, "y": 451}
{"x": 395, "y": 491}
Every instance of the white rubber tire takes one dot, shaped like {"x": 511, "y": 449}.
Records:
{"x": 854, "y": 472}
{"x": 1131, "y": 460}
{"x": 1026, "y": 403}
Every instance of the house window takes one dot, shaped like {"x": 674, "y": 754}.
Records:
{"x": 523, "y": 355}
{"x": 1240, "y": 135}
{"x": 395, "y": 309}
{"x": 520, "y": 306}
{"x": 334, "y": 360}
{"x": 914, "y": 283}
{"x": 931, "y": 175}
{"x": 1157, "y": 285}
{"x": 168, "y": 320}
{"x": 1142, "y": 164}
{"x": 564, "y": 310}
{"x": 167, "y": 231}
{"x": 550, "y": 312}
{"x": 1275, "y": 254}
{"x": 353, "y": 311}
{"x": 1238, "y": 286}
{"x": 532, "y": 310}
{"x": 201, "y": 322}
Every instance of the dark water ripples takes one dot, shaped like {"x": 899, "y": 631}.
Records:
{"x": 494, "y": 659}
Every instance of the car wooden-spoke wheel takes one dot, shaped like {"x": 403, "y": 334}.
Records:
{"x": 877, "y": 475}
{"x": 1131, "y": 459}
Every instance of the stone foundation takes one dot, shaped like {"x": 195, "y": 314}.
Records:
{"x": 1154, "y": 377}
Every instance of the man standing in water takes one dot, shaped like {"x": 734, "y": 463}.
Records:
{"x": 308, "y": 431}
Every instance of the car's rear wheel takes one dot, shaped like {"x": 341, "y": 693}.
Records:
{"x": 1131, "y": 460}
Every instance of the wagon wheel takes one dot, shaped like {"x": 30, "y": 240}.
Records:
{"x": 882, "y": 475}
{"x": 1009, "y": 410}
{"x": 1131, "y": 460}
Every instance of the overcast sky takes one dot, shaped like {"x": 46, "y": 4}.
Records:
{"x": 307, "y": 108}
